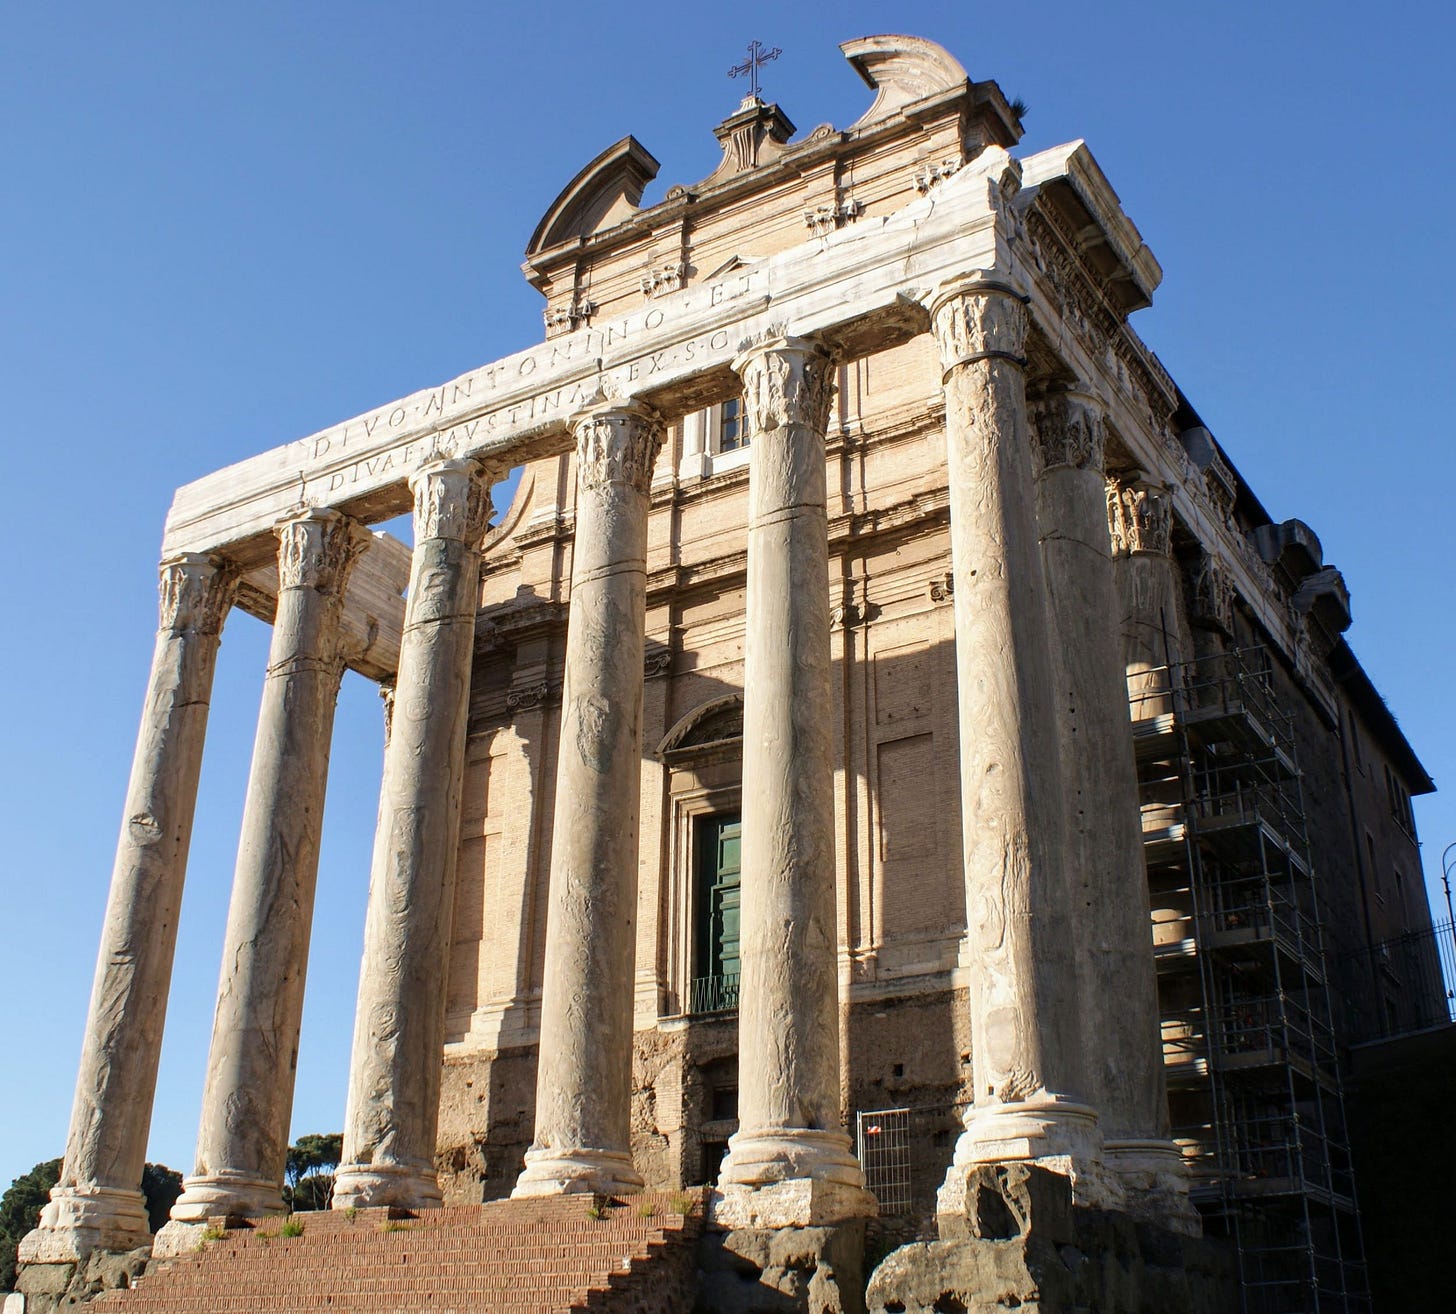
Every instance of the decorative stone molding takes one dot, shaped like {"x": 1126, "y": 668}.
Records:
{"x": 824, "y": 219}
{"x": 656, "y": 663}
{"x": 786, "y": 381}
{"x": 452, "y": 500}
{"x": 845, "y": 617}
{"x": 526, "y": 697}
{"x": 979, "y": 320}
{"x": 942, "y": 589}
{"x": 386, "y": 696}
{"x": 569, "y": 315}
{"x": 662, "y": 279}
{"x": 618, "y": 442}
{"x": 195, "y": 592}
{"x": 1211, "y": 595}
{"x": 1219, "y": 480}
{"x": 935, "y": 172}
{"x": 1068, "y": 431}
{"x": 317, "y": 550}
{"x": 1139, "y": 518}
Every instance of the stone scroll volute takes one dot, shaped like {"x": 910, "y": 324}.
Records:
{"x": 452, "y": 500}
{"x": 979, "y": 321}
{"x": 786, "y": 381}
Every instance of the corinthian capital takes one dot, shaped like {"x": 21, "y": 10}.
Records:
{"x": 195, "y": 592}
{"x": 318, "y": 548}
{"x": 979, "y": 320}
{"x": 1139, "y": 517}
{"x": 617, "y": 443}
{"x": 452, "y": 500}
{"x": 786, "y": 381}
{"x": 1068, "y": 431}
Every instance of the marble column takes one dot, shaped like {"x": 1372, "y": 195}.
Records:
{"x": 789, "y": 1163}
{"x": 399, "y": 1028}
{"x": 1030, "y": 1099}
{"x": 584, "y": 1073}
{"x": 1140, "y": 520}
{"x": 247, "y": 1100}
{"x": 1114, "y": 957}
{"x": 97, "y": 1204}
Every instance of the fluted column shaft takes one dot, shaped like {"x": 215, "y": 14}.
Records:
{"x": 1030, "y": 1089}
{"x": 247, "y": 1100}
{"x": 98, "y": 1203}
{"x": 1116, "y": 973}
{"x": 399, "y": 1028}
{"x": 584, "y": 1076}
{"x": 789, "y": 1162}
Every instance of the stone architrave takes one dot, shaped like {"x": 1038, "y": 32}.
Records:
{"x": 399, "y": 1027}
{"x": 1115, "y": 970}
{"x": 247, "y": 1100}
{"x": 97, "y": 1204}
{"x": 584, "y": 1074}
{"x": 1140, "y": 522}
{"x": 789, "y": 1163}
{"x": 1030, "y": 1085}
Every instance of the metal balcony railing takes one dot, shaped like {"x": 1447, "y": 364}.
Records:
{"x": 713, "y": 994}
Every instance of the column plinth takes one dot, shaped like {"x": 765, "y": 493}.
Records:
{"x": 583, "y": 1087}
{"x": 242, "y": 1142}
{"x": 97, "y": 1204}
{"x": 1030, "y": 1100}
{"x": 399, "y": 1028}
{"x": 1114, "y": 957}
{"x": 789, "y": 1163}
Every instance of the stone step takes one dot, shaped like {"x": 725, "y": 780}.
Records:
{"x": 516, "y": 1257}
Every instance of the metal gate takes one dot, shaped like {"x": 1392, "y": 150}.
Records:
{"x": 884, "y": 1153}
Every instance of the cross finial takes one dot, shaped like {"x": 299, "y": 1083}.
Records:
{"x": 757, "y": 56}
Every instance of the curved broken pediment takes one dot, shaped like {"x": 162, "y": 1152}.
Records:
{"x": 602, "y": 195}
{"x": 902, "y": 70}
{"x": 713, "y": 724}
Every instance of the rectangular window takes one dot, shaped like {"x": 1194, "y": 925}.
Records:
{"x": 732, "y": 429}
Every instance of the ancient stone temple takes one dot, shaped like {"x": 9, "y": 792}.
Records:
{"x": 882, "y": 766}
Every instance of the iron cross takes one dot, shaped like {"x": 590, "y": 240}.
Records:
{"x": 757, "y": 56}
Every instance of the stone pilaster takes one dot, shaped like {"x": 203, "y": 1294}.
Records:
{"x": 399, "y": 1028}
{"x": 247, "y": 1101}
{"x": 97, "y": 1204}
{"x": 789, "y": 1164}
{"x": 1114, "y": 957}
{"x": 1030, "y": 1087}
{"x": 1140, "y": 523}
{"x": 584, "y": 1077}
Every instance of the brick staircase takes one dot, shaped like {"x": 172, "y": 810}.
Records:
{"x": 636, "y": 1256}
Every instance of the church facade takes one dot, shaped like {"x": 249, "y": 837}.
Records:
{"x": 883, "y": 736}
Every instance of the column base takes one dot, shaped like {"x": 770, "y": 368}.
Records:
{"x": 790, "y": 1178}
{"x": 78, "y": 1220}
{"x": 227, "y": 1195}
{"x": 1050, "y": 1131}
{"x": 577, "y": 1172}
{"x": 371, "y": 1186}
{"x": 1154, "y": 1177}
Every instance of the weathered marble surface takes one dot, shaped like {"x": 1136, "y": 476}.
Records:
{"x": 399, "y": 1027}
{"x": 789, "y": 1162}
{"x": 242, "y": 1142}
{"x": 1030, "y": 1080}
{"x": 584, "y": 1082}
{"x": 97, "y": 1204}
{"x": 1117, "y": 984}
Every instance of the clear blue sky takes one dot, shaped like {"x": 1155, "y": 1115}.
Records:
{"x": 226, "y": 226}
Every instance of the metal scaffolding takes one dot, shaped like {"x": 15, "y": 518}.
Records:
{"x": 1253, "y": 1078}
